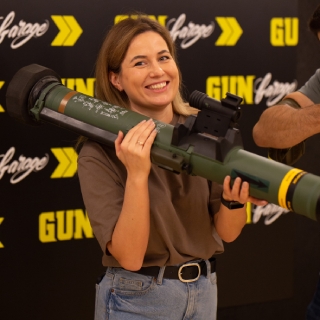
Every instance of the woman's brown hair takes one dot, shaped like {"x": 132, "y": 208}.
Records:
{"x": 112, "y": 54}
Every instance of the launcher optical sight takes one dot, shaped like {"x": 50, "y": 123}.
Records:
{"x": 207, "y": 145}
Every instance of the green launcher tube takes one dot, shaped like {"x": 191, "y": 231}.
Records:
{"x": 288, "y": 187}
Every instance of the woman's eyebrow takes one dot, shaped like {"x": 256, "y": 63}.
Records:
{"x": 163, "y": 51}
{"x": 140, "y": 56}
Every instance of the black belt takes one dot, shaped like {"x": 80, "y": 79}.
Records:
{"x": 188, "y": 272}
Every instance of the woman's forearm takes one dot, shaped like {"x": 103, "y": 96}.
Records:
{"x": 131, "y": 234}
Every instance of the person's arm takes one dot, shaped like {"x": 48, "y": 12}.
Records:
{"x": 283, "y": 126}
{"x": 229, "y": 223}
{"x": 131, "y": 234}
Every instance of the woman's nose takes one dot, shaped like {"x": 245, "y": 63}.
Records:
{"x": 156, "y": 71}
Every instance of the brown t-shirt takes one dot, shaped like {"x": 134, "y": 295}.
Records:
{"x": 181, "y": 207}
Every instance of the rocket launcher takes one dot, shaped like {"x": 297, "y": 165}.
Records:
{"x": 207, "y": 145}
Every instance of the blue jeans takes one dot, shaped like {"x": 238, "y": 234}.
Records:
{"x": 125, "y": 295}
{"x": 313, "y": 310}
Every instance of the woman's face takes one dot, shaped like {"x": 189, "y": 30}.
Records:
{"x": 149, "y": 75}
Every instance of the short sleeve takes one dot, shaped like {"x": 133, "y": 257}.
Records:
{"x": 100, "y": 181}
{"x": 311, "y": 88}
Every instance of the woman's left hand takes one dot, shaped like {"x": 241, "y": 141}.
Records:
{"x": 239, "y": 192}
{"x": 229, "y": 223}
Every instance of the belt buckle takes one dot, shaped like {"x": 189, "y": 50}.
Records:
{"x": 189, "y": 265}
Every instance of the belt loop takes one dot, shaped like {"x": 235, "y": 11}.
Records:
{"x": 160, "y": 275}
{"x": 208, "y": 268}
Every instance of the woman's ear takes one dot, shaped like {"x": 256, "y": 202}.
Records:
{"x": 114, "y": 79}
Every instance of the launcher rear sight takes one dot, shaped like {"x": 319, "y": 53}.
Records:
{"x": 212, "y": 132}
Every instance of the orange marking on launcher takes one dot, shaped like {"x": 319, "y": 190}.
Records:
{"x": 65, "y": 100}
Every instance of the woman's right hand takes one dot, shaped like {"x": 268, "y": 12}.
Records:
{"x": 133, "y": 150}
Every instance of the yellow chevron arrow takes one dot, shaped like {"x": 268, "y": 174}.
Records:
{"x": 1, "y": 85}
{"x": 69, "y": 33}
{"x": 231, "y": 31}
{"x": 1, "y": 245}
{"x": 67, "y": 158}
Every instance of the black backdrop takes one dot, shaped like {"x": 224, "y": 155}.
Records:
{"x": 49, "y": 259}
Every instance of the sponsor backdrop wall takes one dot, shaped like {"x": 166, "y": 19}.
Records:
{"x": 49, "y": 259}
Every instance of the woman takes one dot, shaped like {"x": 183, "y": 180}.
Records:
{"x": 158, "y": 231}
